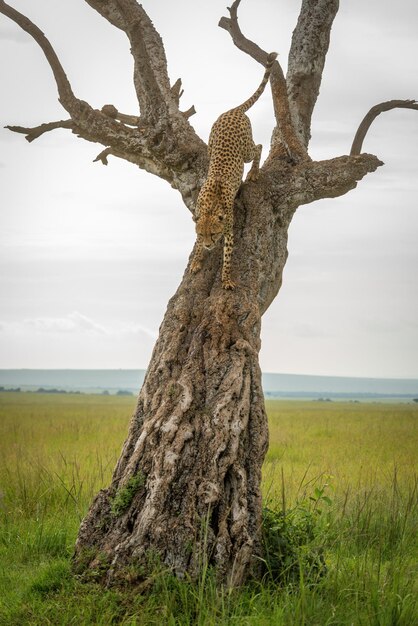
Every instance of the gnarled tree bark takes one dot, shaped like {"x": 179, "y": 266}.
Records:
{"x": 187, "y": 484}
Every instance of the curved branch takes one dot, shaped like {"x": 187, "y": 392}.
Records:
{"x": 371, "y": 116}
{"x": 66, "y": 95}
{"x": 285, "y": 143}
{"x": 33, "y": 133}
{"x": 307, "y": 55}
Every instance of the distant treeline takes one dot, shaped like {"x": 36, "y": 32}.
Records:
{"x": 120, "y": 392}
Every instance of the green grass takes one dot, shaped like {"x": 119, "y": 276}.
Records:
{"x": 348, "y": 469}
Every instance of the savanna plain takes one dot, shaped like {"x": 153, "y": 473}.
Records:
{"x": 341, "y": 512}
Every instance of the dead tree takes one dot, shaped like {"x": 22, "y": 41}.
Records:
{"x": 187, "y": 484}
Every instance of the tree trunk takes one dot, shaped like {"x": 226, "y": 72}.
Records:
{"x": 199, "y": 434}
{"x": 187, "y": 484}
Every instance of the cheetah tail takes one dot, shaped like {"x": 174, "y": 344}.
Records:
{"x": 249, "y": 103}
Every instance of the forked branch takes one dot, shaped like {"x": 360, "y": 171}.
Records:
{"x": 103, "y": 156}
{"x": 371, "y": 116}
{"x": 243, "y": 43}
{"x": 285, "y": 143}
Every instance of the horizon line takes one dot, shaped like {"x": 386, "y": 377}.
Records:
{"x": 135, "y": 369}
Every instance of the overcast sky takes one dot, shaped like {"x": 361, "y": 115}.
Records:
{"x": 90, "y": 254}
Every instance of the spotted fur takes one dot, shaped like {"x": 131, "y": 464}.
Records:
{"x": 230, "y": 146}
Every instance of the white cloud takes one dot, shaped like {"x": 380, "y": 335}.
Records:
{"x": 75, "y": 323}
{"x": 72, "y": 323}
{"x": 74, "y": 340}
{"x": 138, "y": 329}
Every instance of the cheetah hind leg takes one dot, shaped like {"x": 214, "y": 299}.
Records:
{"x": 253, "y": 173}
{"x": 227, "y": 282}
{"x": 196, "y": 263}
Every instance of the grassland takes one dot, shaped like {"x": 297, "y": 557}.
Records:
{"x": 351, "y": 467}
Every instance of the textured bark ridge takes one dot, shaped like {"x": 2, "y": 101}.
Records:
{"x": 186, "y": 489}
{"x": 197, "y": 440}
{"x": 199, "y": 433}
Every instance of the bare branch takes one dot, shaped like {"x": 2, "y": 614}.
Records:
{"x": 111, "y": 111}
{"x": 371, "y": 116}
{"x": 189, "y": 112}
{"x": 127, "y": 143}
{"x": 329, "y": 179}
{"x": 150, "y": 64}
{"x": 139, "y": 156}
{"x": 103, "y": 156}
{"x": 177, "y": 91}
{"x": 109, "y": 10}
{"x": 285, "y": 143}
{"x": 66, "y": 95}
{"x": 246, "y": 45}
{"x": 307, "y": 55}
{"x": 33, "y": 133}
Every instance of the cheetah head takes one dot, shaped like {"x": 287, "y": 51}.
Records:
{"x": 210, "y": 228}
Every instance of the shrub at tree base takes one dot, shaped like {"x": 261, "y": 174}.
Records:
{"x": 291, "y": 555}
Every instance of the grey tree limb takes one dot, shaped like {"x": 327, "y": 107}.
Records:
{"x": 151, "y": 79}
{"x": 65, "y": 91}
{"x": 371, "y": 116}
{"x": 330, "y": 178}
{"x": 307, "y": 56}
{"x": 231, "y": 25}
{"x": 33, "y": 133}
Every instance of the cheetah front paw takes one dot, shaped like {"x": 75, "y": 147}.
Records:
{"x": 227, "y": 283}
{"x": 252, "y": 176}
{"x": 195, "y": 266}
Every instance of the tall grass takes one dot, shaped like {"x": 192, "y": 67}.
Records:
{"x": 350, "y": 470}
{"x": 56, "y": 452}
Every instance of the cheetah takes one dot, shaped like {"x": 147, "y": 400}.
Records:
{"x": 230, "y": 146}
